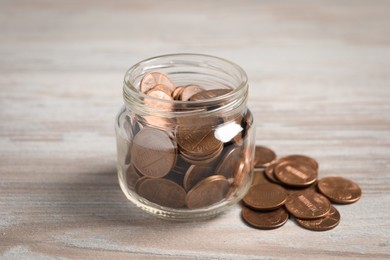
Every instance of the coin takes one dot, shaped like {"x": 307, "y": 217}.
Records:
{"x": 339, "y": 190}
{"x": 307, "y": 205}
{"x": 156, "y": 93}
{"x": 207, "y": 94}
{"x": 195, "y": 174}
{"x": 189, "y": 91}
{"x": 152, "y": 79}
{"x": 176, "y": 94}
{"x": 263, "y": 156}
{"x": 301, "y": 159}
{"x": 162, "y": 192}
{"x": 329, "y": 221}
{"x": 265, "y": 196}
{"x": 230, "y": 163}
{"x": 270, "y": 173}
{"x": 295, "y": 173}
{"x": 163, "y": 88}
{"x": 198, "y": 142}
{"x": 153, "y": 152}
{"x": 265, "y": 220}
{"x": 207, "y": 192}
{"x": 259, "y": 177}
{"x": 132, "y": 176}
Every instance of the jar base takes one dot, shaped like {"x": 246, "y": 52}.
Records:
{"x": 184, "y": 215}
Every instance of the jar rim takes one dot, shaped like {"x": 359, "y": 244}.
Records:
{"x": 130, "y": 89}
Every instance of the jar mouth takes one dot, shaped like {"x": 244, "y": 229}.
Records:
{"x": 178, "y": 64}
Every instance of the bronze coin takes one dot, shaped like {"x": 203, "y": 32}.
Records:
{"x": 164, "y": 89}
{"x": 198, "y": 141}
{"x": 163, "y": 192}
{"x": 203, "y": 159}
{"x": 301, "y": 159}
{"x": 207, "y": 192}
{"x": 266, "y": 196}
{"x": 339, "y": 190}
{"x": 229, "y": 164}
{"x": 195, "y": 174}
{"x": 152, "y": 79}
{"x": 207, "y": 94}
{"x": 176, "y": 94}
{"x": 153, "y": 152}
{"x": 259, "y": 177}
{"x": 329, "y": 221}
{"x": 132, "y": 176}
{"x": 156, "y": 93}
{"x": 263, "y": 156}
{"x": 270, "y": 173}
{"x": 265, "y": 220}
{"x": 139, "y": 181}
{"x": 296, "y": 174}
{"x": 189, "y": 91}
{"x": 307, "y": 205}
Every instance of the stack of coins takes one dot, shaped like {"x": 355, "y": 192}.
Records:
{"x": 289, "y": 186}
{"x": 184, "y": 165}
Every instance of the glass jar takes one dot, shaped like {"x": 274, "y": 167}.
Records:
{"x": 186, "y": 159}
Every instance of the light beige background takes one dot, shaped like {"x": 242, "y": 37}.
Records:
{"x": 319, "y": 84}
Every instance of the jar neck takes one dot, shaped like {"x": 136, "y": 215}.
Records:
{"x": 204, "y": 70}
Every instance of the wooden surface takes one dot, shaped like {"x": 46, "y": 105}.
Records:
{"x": 319, "y": 84}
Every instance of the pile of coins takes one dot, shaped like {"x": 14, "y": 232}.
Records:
{"x": 289, "y": 186}
{"x": 183, "y": 164}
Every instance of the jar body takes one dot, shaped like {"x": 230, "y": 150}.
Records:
{"x": 186, "y": 160}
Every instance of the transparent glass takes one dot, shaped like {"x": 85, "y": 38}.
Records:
{"x": 186, "y": 159}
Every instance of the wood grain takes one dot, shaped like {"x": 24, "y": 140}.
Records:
{"x": 319, "y": 85}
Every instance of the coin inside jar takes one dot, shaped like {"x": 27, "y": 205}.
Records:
{"x": 208, "y": 192}
{"x": 163, "y": 192}
{"x": 207, "y": 94}
{"x": 229, "y": 164}
{"x": 189, "y": 91}
{"x": 152, "y": 79}
{"x": 195, "y": 174}
{"x": 153, "y": 152}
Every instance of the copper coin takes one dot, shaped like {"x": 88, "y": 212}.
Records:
{"x": 152, "y": 79}
{"x": 270, "y": 173}
{"x": 301, "y": 159}
{"x": 132, "y": 176}
{"x": 153, "y": 152}
{"x": 163, "y": 192}
{"x": 207, "y": 94}
{"x": 266, "y": 196}
{"x": 339, "y": 190}
{"x": 259, "y": 177}
{"x": 139, "y": 181}
{"x": 195, "y": 174}
{"x": 198, "y": 141}
{"x": 263, "y": 156}
{"x": 156, "y": 93}
{"x": 329, "y": 221}
{"x": 189, "y": 91}
{"x": 297, "y": 174}
{"x": 307, "y": 205}
{"x": 207, "y": 192}
{"x": 163, "y": 88}
{"x": 265, "y": 220}
{"x": 176, "y": 94}
{"x": 229, "y": 164}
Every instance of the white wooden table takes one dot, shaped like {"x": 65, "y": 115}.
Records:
{"x": 319, "y": 85}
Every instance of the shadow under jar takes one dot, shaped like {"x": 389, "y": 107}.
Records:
{"x": 186, "y": 159}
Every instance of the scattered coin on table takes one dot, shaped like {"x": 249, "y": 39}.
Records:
{"x": 307, "y": 199}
